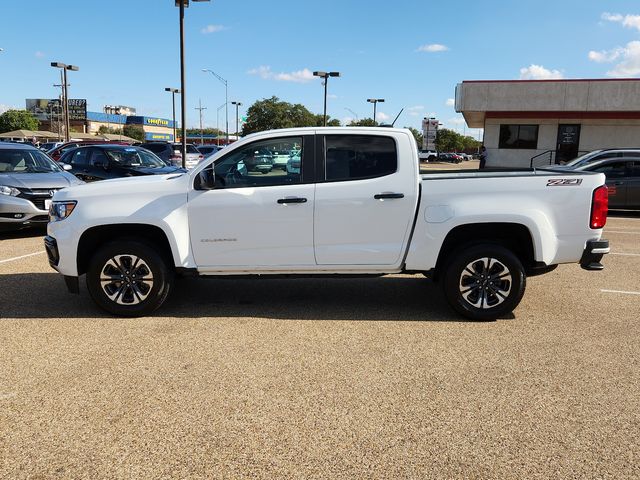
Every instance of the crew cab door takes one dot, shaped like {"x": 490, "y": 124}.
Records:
{"x": 366, "y": 204}
{"x": 256, "y": 217}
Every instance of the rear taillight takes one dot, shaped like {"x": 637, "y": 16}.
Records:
{"x": 599, "y": 207}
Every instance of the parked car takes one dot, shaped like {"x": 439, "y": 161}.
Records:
{"x": 57, "y": 152}
{"x": 259, "y": 161}
{"x": 427, "y": 155}
{"x": 294, "y": 162}
{"x": 46, "y": 147}
{"x": 280, "y": 159}
{"x": 28, "y": 180}
{"x": 449, "y": 157}
{"x": 208, "y": 150}
{"x": 102, "y": 162}
{"x": 361, "y": 208}
{"x": 602, "y": 154}
{"x": 623, "y": 178}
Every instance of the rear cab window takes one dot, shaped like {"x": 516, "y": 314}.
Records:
{"x": 358, "y": 157}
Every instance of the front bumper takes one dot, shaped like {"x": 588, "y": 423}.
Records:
{"x": 17, "y": 212}
{"x": 593, "y": 253}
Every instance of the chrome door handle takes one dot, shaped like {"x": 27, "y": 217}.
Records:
{"x": 292, "y": 200}
{"x": 382, "y": 196}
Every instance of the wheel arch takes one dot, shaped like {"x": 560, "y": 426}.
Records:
{"x": 513, "y": 236}
{"x": 94, "y": 237}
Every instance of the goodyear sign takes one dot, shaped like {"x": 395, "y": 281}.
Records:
{"x": 150, "y": 121}
{"x": 166, "y": 137}
{"x": 158, "y": 122}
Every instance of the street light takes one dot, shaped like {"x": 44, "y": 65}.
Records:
{"x": 183, "y": 100}
{"x": 237, "y": 104}
{"x": 218, "y": 121}
{"x": 325, "y": 76}
{"x": 375, "y": 103}
{"x": 173, "y": 95}
{"x": 226, "y": 100}
{"x": 64, "y": 68}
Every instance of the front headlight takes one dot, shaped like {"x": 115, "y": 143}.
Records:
{"x": 61, "y": 210}
{"x": 4, "y": 190}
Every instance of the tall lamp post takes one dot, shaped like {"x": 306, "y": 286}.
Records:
{"x": 325, "y": 76}
{"x": 218, "y": 121}
{"x": 375, "y": 103}
{"x": 237, "y": 104}
{"x": 226, "y": 100}
{"x": 65, "y": 91}
{"x": 183, "y": 100}
{"x": 173, "y": 95}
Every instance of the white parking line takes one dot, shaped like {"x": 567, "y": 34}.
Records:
{"x": 620, "y": 291}
{"x": 625, "y": 254}
{"x": 621, "y": 231}
{"x": 21, "y": 256}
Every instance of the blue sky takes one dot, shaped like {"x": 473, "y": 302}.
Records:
{"x": 412, "y": 53}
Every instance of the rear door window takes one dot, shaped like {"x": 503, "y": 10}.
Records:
{"x": 357, "y": 157}
{"x": 79, "y": 157}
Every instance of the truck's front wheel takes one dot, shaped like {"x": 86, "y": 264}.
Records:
{"x": 128, "y": 278}
{"x": 484, "y": 281}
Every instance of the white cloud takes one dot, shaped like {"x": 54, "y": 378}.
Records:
{"x": 433, "y": 47}
{"x": 381, "y": 116}
{"x": 604, "y": 56}
{"x": 450, "y": 102}
{"x": 415, "y": 110}
{"x": 212, "y": 29}
{"x": 538, "y": 72}
{"x": 4, "y": 108}
{"x": 300, "y": 76}
{"x": 629, "y": 55}
{"x": 456, "y": 120}
{"x": 629, "y": 21}
{"x": 39, "y": 54}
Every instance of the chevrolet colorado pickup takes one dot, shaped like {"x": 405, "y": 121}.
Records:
{"x": 357, "y": 206}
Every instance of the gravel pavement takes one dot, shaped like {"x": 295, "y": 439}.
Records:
{"x": 332, "y": 379}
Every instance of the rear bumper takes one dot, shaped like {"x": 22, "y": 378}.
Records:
{"x": 593, "y": 253}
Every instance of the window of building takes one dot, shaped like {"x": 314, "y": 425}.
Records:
{"x": 519, "y": 136}
{"x": 355, "y": 157}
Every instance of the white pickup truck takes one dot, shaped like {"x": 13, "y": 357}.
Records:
{"x": 356, "y": 206}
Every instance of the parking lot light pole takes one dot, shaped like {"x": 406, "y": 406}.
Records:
{"x": 325, "y": 76}
{"x": 375, "y": 103}
{"x": 237, "y": 104}
{"x": 183, "y": 100}
{"x": 173, "y": 95}
{"x": 226, "y": 100}
{"x": 64, "y": 67}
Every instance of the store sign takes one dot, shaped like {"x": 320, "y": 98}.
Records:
{"x": 158, "y": 122}
{"x": 429, "y": 131}
{"x": 45, "y": 108}
{"x": 166, "y": 137}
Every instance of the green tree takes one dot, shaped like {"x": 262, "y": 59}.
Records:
{"x": 17, "y": 120}
{"x": 271, "y": 113}
{"x": 470, "y": 143}
{"x": 104, "y": 129}
{"x": 205, "y": 131}
{"x": 448, "y": 140}
{"x": 133, "y": 131}
{"x": 365, "y": 122}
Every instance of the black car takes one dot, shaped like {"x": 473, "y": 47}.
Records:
{"x": 623, "y": 179}
{"x": 101, "y": 162}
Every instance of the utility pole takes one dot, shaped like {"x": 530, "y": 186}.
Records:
{"x": 201, "y": 108}
{"x": 237, "y": 104}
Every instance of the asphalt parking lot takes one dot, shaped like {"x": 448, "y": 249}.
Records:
{"x": 353, "y": 378}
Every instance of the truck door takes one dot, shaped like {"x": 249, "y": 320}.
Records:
{"x": 366, "y": 203}
{"x": 256, "y": 217}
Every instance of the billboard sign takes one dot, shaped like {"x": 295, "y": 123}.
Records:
{"x": 429, "y": 131}
{"x": 45, "y": 108}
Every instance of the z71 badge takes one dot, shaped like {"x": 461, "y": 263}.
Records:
{"x": 564, "y": 182}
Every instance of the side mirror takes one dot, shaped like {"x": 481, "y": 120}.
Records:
{"x": 205, "y": 180}
{"x": 66, "y": 167}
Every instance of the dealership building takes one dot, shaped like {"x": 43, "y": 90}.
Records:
{"x": 538, "y": 122}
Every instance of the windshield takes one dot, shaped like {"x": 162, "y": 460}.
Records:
{"x": 135, "y": 157}
{"x": 26, "y": 161}
{"x": 584, "y": 159}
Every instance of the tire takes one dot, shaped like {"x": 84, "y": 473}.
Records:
{"x": 148, "y": 284}
{"x": 500, "y": 278}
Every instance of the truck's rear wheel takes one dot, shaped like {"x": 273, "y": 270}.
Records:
{"x": 484, "y": 281}
{"x": 128, "y": 278}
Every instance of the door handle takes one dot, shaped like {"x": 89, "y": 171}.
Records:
{"x": 382, "y": 196}
{"x": 292, "y": 200}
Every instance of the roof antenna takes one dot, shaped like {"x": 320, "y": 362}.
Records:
{"x": 394, "y": 120}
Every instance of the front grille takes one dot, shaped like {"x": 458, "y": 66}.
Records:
{"x": 38, "y": 202}
{"x": 37, "y": 196}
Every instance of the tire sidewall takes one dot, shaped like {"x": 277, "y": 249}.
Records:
{"x": 162, "y": 278}
{"x": 461, "y": 258}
